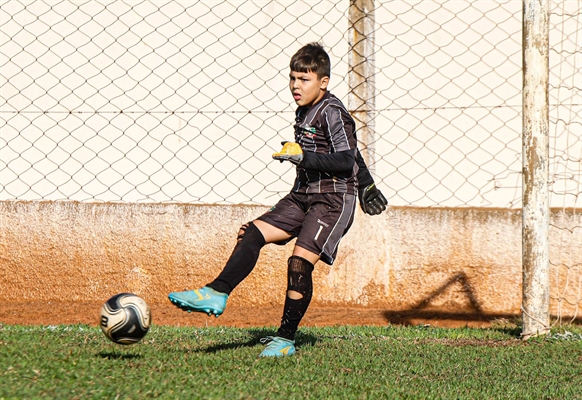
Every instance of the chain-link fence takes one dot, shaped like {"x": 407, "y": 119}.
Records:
{"x": 186, "y": 101}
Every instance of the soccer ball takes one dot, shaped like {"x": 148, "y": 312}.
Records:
{"x": 125, "y": 318}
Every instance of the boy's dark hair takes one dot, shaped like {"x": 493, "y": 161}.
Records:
{"x": 311, "y": 58}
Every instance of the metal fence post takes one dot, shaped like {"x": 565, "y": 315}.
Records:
{"x": 535, "y": 214}
{"x": 361, "y": 98}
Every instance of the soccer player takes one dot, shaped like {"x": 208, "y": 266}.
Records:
{"x": 318, "y": 211}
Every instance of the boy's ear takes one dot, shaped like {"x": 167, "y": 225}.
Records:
{"x": 324, "y": 83}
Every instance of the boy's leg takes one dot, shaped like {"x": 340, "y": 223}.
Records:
{"x": 328, "y": 218}
{"x": 251, "y": 239}
{"x": 211, "y": 299}
{"x": 299, "y": 293}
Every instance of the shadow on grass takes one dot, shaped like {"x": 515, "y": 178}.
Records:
{"x": 256, "y": 334}
{"x": 114, "y": 355}
{"x": 506, "y": 323}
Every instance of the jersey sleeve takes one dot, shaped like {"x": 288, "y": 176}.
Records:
{"x": 342, "y": 161}
{"x": 364, "y": 177}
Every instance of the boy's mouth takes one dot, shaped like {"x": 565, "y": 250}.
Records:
{"x": 296, "y": 96}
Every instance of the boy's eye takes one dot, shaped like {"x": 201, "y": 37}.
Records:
{"x": 302, "y": 79}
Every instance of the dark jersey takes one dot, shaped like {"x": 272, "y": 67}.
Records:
{"x": 326, "y": 128}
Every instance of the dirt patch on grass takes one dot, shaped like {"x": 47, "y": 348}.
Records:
{"x": 54, "y": 313}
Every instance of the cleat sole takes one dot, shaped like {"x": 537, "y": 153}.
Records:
{"x": 208, "y": 309}
{"x": 189, "y": 308}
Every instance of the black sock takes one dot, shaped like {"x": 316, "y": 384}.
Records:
{"x": 242, "y": 260}
{"x": 299, "y": 280}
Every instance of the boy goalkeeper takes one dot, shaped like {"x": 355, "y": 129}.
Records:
{"x": 318, "y": 211}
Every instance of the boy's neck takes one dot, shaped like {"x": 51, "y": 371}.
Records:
{"x": 325, "y": 92}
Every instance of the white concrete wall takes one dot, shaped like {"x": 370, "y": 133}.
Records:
{"x": 448, "y": 260}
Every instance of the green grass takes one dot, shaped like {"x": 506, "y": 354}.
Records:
{"x": 77, "y": 362}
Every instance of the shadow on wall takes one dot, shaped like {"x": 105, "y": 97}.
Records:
{"x": 474, "y": 313}
{"x": 422, "y": 310}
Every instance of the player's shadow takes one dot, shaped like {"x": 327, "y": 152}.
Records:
{"x": 256, "y": 334}
{"x": 421, "y": 311}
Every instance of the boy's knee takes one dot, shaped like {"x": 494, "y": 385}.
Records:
{"x": 294, "y": 295}
{"x": 249, "y": 235}
{"x": 242, "y": 231}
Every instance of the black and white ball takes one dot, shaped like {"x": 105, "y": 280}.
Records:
{"x": 125, "y": 318}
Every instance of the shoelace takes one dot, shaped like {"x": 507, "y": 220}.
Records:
{"x": 268, "y": 339}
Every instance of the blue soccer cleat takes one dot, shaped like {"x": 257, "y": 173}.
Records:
{"x": 204, "y": 300}
{"x": 277, "y": 347}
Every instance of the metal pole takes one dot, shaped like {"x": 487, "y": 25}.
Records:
{"x": 361, "y": 98}
{"x": 535, "y": 215}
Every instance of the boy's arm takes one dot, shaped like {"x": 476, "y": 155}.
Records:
{"x": 364, "y": 177}
{"x": 372, "y": 201}
{"x": 342, "y": 161}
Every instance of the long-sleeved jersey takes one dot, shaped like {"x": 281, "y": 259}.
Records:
{"x": 326, "y": 133}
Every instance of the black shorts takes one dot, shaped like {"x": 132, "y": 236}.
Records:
{"x": 318, "y": 221}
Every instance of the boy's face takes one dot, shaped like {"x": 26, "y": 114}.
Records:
{"x": 306, "y": 88}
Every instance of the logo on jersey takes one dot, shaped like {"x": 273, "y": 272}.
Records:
{"x": 309, "y": 131}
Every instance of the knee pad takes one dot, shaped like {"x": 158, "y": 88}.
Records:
{"x": 299, "y": 276}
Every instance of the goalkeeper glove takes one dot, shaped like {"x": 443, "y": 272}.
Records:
{"x": 291, "y": 151}
{"x": 372, "y": 200}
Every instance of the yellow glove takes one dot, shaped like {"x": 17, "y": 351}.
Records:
{"x": 291, "y": 151}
